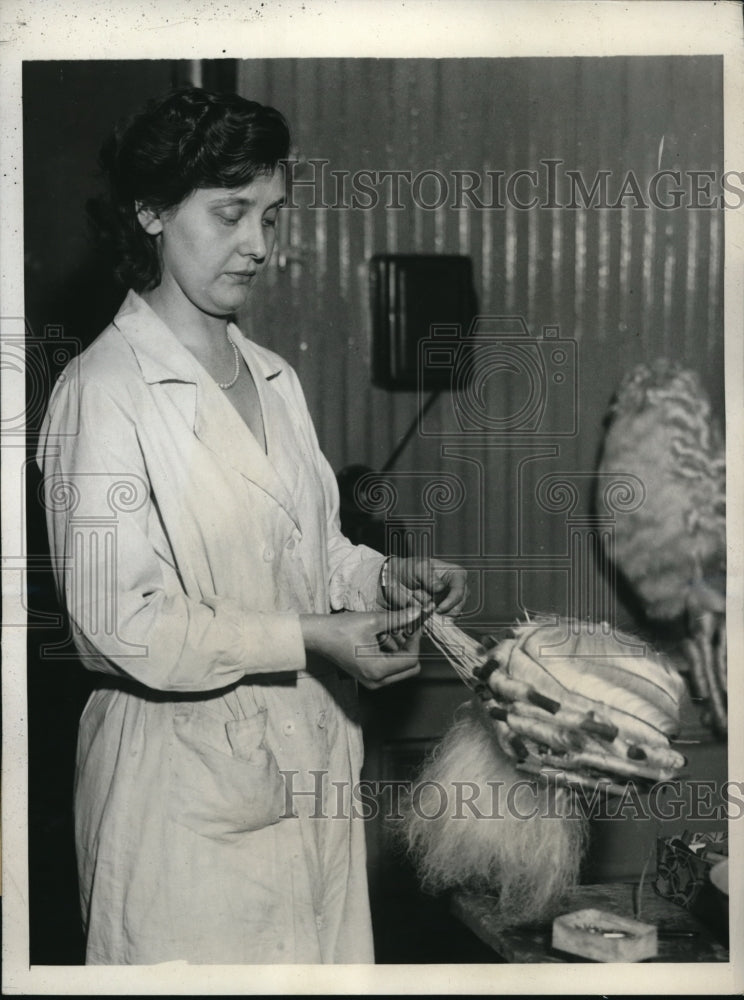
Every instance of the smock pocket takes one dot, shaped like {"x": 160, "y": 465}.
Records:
{"x": 225, "y": 781}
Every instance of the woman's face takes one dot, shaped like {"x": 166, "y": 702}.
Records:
{"x": 216, "y": 242}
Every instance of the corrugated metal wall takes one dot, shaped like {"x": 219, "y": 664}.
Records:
{"x": 627, "y": 283}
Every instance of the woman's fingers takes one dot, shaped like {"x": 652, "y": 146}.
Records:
{"x": 394, "y": 678}
{"x": 430, "y": 582}
{"x": 389, "y": 643}
{"x": 399, "y": 636}
{"x": 387, "y": 622}
{"x": 453, "y": 584}
{"x": 368, "y": 645}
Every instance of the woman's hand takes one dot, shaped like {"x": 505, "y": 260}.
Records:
{"x": 377, "y": 648}
{"x": 429, "y": 583}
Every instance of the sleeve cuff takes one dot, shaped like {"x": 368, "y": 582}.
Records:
{"x": 272, "y": 643}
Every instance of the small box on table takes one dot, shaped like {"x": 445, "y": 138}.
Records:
{"x": 604, "y": 936}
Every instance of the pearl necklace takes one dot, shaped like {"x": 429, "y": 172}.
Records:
{"x": 234, "y": 379}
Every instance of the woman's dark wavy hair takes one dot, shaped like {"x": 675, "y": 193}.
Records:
{"x": 186, "y": 140}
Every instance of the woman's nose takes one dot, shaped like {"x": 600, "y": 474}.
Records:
{"x": 253, "y": 242}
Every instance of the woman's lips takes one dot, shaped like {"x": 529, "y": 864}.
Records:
{"x": 242, "y": 276}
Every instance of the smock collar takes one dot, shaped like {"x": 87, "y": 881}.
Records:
{"x": 163, "y": 358}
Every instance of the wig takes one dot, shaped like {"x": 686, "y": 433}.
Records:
{"x": 187, "y": 140}
{"x": 557, "y": 707}
{"x": 671, "y": 548}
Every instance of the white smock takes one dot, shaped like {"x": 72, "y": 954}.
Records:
{"x": 215, "y": 761}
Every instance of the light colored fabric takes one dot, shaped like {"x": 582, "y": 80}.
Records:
{"x": 185, "y": 555}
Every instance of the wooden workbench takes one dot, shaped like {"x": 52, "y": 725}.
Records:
{"x": 532, "y": 944}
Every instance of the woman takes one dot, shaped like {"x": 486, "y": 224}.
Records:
{"x": 195, "y": 526}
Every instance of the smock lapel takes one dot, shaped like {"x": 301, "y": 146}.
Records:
{"x": 221, "y": 428}
{"x": 164, "y": 360}
{"x": 279, "y": 427}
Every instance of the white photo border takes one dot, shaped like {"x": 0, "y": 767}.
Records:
{"x": 387, "y": 28}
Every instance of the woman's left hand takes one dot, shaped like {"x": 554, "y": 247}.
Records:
{"x": 433, "y": 584}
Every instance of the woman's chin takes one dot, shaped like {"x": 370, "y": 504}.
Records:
{"x": 235, "y": 296}
{"x": 225, "y": 304}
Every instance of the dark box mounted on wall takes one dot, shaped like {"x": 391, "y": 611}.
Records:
{"x": 412, "y": 295}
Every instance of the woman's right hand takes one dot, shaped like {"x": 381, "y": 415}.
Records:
{"x": 377, "y": 648}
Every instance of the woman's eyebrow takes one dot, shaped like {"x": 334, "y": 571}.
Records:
{"x": 236, "y": 200}
{"x": 233, "y": 200}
